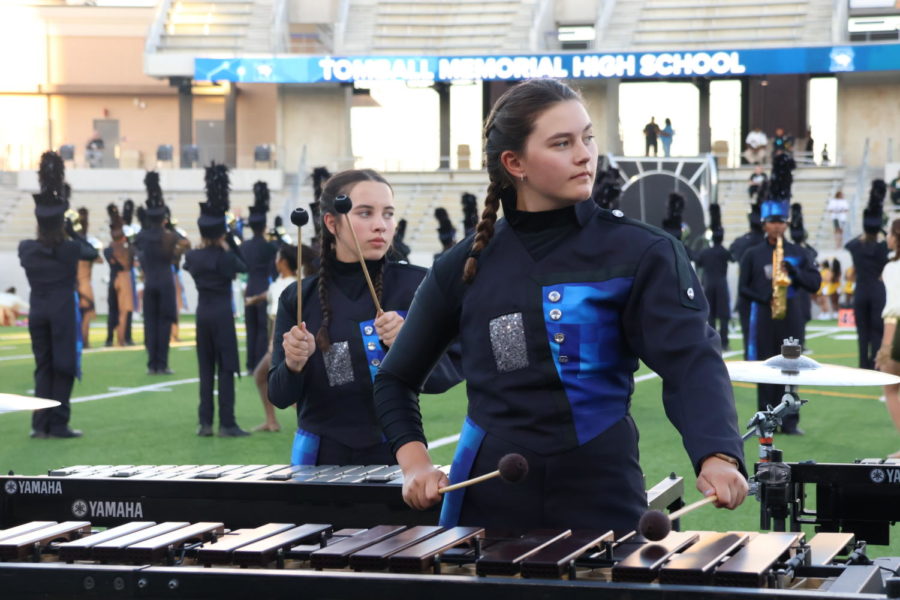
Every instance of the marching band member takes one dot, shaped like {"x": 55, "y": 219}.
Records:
{"x": 258, "y": 253}
{"x": 554, "y": 305}
{"x": 713, "y": 265}
{"x": 120, "y": 257}
{"x": 51, "y": 265}
{"x": 85, "y": 286}
{"x": 326, "y": 364}
{"x": 213, "y": 267}
{"x": 888, "y": 357}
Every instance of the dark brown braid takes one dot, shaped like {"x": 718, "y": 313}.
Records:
{"x": 507, "y": 128}
{"x": 340, "y": 183}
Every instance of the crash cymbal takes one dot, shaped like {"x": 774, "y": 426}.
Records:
{"x": 10, "y": 402}
{"x": 804, "y": 371}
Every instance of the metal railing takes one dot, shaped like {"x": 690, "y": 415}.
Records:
{"x": 340, "y": 27}
{"x": 281, "y": 28}
{"x": 539, "y": 25}
{"x": 154, "y": 36}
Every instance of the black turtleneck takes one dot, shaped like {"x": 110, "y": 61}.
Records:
{"x": 541, "y": 232}
{"x": 349, "y": 278}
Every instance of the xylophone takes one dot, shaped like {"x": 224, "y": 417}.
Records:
{"x": 147, "y": 559}
{"x": 240, "y": 495}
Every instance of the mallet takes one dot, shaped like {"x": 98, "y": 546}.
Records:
{"x": 655, "y": 525}
{"x": 512, "y": 468}
{"x": 299, "y": 217}
{"x": 343, "y": 204}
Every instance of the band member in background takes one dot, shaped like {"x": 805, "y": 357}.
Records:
{"x": 888, "y": 358}
{"x": 799, "y": 236}
{"x": 181, "y": 302}
{"x": 214, "y": 266}
{"x": 326, "y": 364}
{"x": 157, "y": 249}
{"x": 737, "y": 249}
{"x": 258, "y": 254}
{"x": 713, "y": 265}
{"x": 85, "y": 286}
{"x": 51, "y": 265}
{"x": 554, "y": 305}
{"x": 120, "y": 257}
{"x": 446, "y": 231}
{"x": 766, "y": 334}
{"x": 870, "y": 255}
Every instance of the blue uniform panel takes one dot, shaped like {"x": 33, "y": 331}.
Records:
{"x": 470, "y": 439}
{"x": 582, "y": 321}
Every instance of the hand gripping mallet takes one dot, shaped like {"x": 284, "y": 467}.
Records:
{"x": 343, "y": 204}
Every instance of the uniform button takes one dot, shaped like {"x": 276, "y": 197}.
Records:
{"x": 369, "y": 330}
{"x": 371, "y": 346}
{"x": 618, "y": 213}
{"x": 553, "y": 296}
{"x": 690, "y": 293}
{"x": 559, "y": 338}
{"x": 375, "y": 362}
{"x": 563, "y": 359}
{"x": 556, "y": 314}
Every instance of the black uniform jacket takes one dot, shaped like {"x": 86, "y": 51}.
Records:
{"x": 333, "y": 392}
{"x": 550, "y": 344}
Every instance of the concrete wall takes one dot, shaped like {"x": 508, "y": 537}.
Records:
{"x": 316, "y": 117}
{"x": 868, "y": 107}
{"x": 602, "y": 100}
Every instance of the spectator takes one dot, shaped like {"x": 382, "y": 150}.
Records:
{"x": 837, "y": 209}
{"x": 895, "y": 190}
{"x": 94, "y": 152}
{"x": 780, "y": 141}
{"x": 651, "y": 133}
{"x": 667, "y": 134}
{"x": 757, "y": 143}
{"x": 825, "y": 159}
{"x": 757, "y": 179}
{"x": 11, "y": 307}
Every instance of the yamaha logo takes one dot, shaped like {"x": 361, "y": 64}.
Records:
{"x": 80, "y": 509}
{"x": 877, "y": 475}
{"x": 10, "y": 487}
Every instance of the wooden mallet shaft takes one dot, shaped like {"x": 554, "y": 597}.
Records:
{"x": 343, "y": 204}
{"x": 693, "y": 506}
{"x": 512, "y": 468}
{"x": 299, "y": 217}
{"x": 469, "y": 482}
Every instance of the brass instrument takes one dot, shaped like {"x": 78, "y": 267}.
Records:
{"x": 780, "y": 282}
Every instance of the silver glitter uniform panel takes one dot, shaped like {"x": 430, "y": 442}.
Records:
{"x": 508, "y": 342}
{"x": 338, "y": 365}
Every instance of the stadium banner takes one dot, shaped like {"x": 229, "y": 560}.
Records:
{"x": 301, "y": 68}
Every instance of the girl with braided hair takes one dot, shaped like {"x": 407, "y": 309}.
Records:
{"x": 326, "y": 364}
{"x": 553, "y": 306}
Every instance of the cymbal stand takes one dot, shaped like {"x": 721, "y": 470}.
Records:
{"x": 772, "y": 481}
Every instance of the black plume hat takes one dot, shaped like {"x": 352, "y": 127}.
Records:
{"x": 260, "y": 203}
{"x": 798, "y": 229}
{"x": 674, "y": 209}
{"x": 53, "y": 200}
{"x": 873, "y": 213}
{"x": 156, "y": 206}
{"x": 319, "y": 176}
{"x": 446, "y": 231}
{"x": 212, "y": 212}
{"x": 715, "y": 223}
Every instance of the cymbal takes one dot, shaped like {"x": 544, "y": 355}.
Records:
{"x": 804, "y": 371}
{"x": 10, "y": 402}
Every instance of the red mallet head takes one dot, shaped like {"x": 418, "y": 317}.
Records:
{"x": 299, "y": 217}
{"x": 513, "y": 468}
{"x": 654, "y": 525}
{"x": 343, "y": 204}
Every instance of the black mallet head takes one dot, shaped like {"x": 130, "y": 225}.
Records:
{"x": 513, "y": 468}
{"x": 654, "y": 525}
{"x": 299, "y": 217}
{"x": 343, "y": 204}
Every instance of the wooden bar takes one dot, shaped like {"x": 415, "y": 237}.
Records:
{"x": 265, "y": 551}
{"x": 337, "y": 555}
{"x": 81, "y": 549}
{"x": 825, "y": 546}
{"x": 153, "y": 549}
{"x": 553, "y": 561}
{"x": 20, "y": 546}
{"x": 114, "y": 550}
{"x": 221, "y": 550}
{"x": 375, "y": 557}
{"x": 695, "y": 565}
{"x": 750, "y": 566}
{"x": 416, "y": 559}
{"x": 643, "y": 564}
{"x": 505, "y": 557}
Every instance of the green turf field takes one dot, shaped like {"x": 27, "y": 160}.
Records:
{"x": 129, "y": 417}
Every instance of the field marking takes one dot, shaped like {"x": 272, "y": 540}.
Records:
{"x": 153, "y": 387}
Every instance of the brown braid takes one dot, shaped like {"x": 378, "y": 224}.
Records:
{"x": 484, "y": 231}
{"x": 378, "y": 282}
{"x": 323, "y": 339}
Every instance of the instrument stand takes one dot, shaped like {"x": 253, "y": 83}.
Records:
{"x": 772, "y": 481}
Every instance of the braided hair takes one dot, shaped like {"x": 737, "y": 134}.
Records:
{"x": 335, "y": 186}
{"x": 507, "y": 128}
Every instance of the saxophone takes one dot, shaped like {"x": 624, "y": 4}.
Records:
{"x": 780, "y": 282}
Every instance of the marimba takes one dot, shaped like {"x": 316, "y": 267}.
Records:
{"x": 146, "y": 559}
{"x": 240, "y": 495}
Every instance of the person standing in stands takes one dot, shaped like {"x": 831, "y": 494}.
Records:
{"x": 157, "y": 248}
{"x": 870, "y": 255}
{"x": 258, "y": 254}
{"x": 51, "y": 266}
{"x": 214, "y": 266}
{"x": 666, "y": 136}
{"x": 651, "y": 134}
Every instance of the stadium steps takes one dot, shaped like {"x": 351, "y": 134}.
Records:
{"x": 217, "y": 27}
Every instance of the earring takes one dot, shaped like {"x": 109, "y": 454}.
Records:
{"x": 522, "y": 177}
